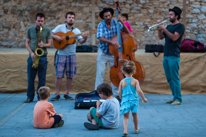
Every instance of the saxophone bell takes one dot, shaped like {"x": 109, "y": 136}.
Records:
{"x": 39, "y": 52}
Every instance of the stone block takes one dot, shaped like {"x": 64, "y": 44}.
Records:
{"x": 151, "y": 11}
{"x": 143, "y": 1}
{"x": 127, "y": 6}
{"x": 193, "y": 26}
{"x": 44, "y": 5}
{"x": 201, "y": 16}
{"x": 203, "y": 9}
{"x": 134, "y": 11}
{"x": 124, "y": 10}
{"x": 201, "y": 36}
{"x": 196, "y": 6}
{"x": 134, "y": 5}
{"x": 187, "y": 31}
{"x": 97, "y": 9}
{"x": 196, "y": 11}
{"x": 201, "y": 40}
{"x": 189, "y": 16}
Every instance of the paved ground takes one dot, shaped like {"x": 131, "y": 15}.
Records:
{"x": 156, "y": 119}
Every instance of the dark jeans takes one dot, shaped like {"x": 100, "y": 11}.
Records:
{"x": 31, "y": 73}
{"x": 57, "y": 119}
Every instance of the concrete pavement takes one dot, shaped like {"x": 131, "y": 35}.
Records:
{"x": 156, "y": 119}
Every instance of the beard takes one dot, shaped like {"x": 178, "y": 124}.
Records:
{"x": 108, "y": 20}
{"x": 172, "y": 20}
{"x": 70, "y": 24}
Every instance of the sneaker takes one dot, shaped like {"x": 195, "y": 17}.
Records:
{"x": 91, "y": 126}
{"x": 60, "y": 124}
{"x": 57, "y": 97}
{"x": 169, "y": 102}
{"x": 28, "y": 100}
{"x": 176, "y": 103}
{"x": 68, "y": 97}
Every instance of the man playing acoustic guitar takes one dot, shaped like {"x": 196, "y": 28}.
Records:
{"x": 66, "y": 57}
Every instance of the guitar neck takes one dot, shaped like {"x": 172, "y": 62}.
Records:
{"x": 74, "y": 36}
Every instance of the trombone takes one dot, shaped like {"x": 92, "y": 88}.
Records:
{"x": 153, "y": 27}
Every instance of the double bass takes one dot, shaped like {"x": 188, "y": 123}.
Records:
{"x": 128, "y": 46}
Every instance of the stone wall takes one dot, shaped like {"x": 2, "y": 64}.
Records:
{"x": 17, "y": 15}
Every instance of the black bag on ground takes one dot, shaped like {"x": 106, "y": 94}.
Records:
{"x": 155, "y": 49}
{"x": 86, "y": 48}
{"x": 86, "y": 100}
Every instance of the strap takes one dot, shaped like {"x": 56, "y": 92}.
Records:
{"x": 156, "y": 55}
{"x": 72, "y": 27}
{"x": 128, "y": 80}
{"x": 55, "y": 55}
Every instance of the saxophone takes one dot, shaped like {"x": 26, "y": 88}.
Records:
{"x": 38, "y": 51}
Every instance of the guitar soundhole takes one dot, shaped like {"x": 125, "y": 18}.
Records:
{"x": 59, "y": 43}
{"x": 67, "y": 38}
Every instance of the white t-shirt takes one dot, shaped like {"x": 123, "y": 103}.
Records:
{"x": 69, "y": 49}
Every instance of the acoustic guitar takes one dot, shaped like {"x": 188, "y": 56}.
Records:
{"x": 67, "y": 38}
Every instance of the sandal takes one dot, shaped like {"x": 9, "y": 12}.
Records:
{"x": 137, "y": 131}
{"x": 124, "y": 134}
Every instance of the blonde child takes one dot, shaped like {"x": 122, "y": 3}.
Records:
{"x": 44, "y": 113}
{"x": 128, "y": 89}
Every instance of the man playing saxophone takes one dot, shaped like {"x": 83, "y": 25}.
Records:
{"x": 38, "y": 37}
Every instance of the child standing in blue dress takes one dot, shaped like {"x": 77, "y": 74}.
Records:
{"x": 128, "y": 89}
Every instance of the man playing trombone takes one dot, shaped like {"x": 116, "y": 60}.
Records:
{"x": 173, "y": 36}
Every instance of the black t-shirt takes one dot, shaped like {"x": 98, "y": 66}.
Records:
{"x": 172, "y": 48}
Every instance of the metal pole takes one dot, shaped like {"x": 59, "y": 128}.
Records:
{"x": 184, "y": 16}
{"x": 93, "y": 22}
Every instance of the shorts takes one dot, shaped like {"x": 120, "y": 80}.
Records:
{"x": 66, "y": 62}
{"x": 97, "y": 119}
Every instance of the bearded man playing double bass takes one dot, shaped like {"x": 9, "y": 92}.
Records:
{"x": 106, "y": 30}
{"x": 32, "y": 36}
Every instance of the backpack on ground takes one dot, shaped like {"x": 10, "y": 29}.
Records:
{"x": 189, "y": 45}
